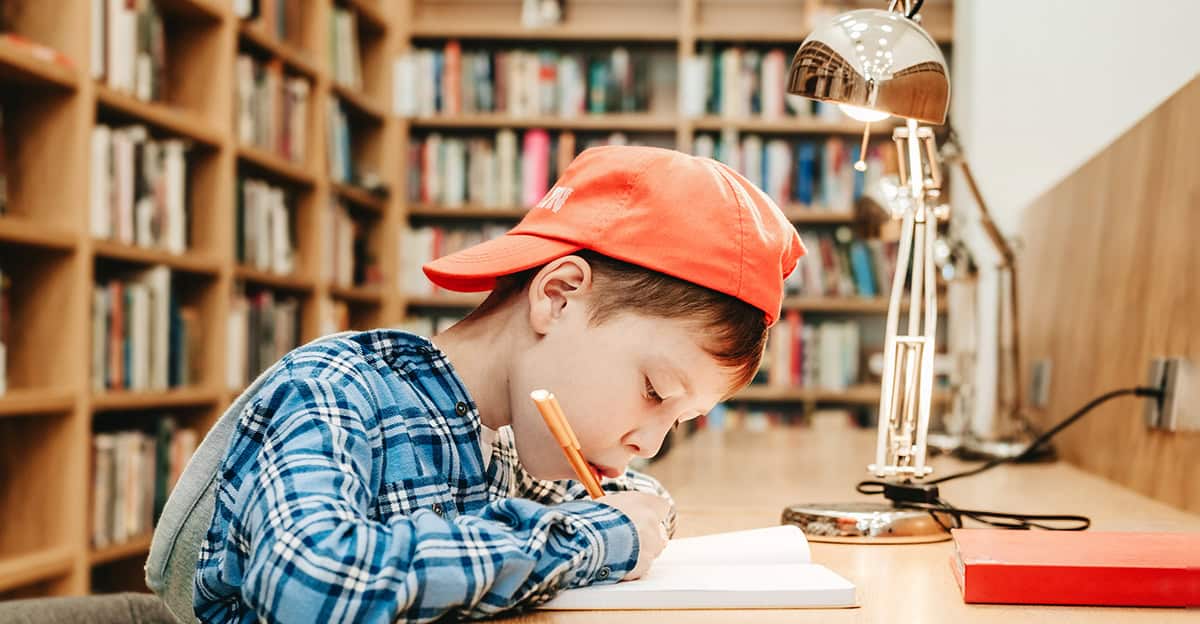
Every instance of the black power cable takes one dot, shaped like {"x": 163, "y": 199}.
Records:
{"x": 925, "y": 495}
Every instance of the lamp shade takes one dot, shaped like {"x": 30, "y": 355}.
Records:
{"x": 874, "y": 59}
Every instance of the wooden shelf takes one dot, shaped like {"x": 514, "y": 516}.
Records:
{"x": 120, "y": 400}
{"x": 209, "y": 10}
{"x": 25, "y": 401}
{"x": 860, "y": 394}
{"x": 168, "y": 118}
{"x": 25, "y": 65}
{"x": 789, "y": 125}
{"x": 656, "y": 32}
{"x": 188, "y": 262}
{"x": 130, "y": 400}
{"x": 359, "y": 197}
{"x": 370, "y": 15}
{"x": 726, "y": 35}
{"x": 859, "y": 305}
{"x": 23, "y": 231}
{"x": 647, "y": 122}
{"x": 35, "y": 567}
{"x": 292, "y": 283}
{"x": 371, "y": 295}
{"x": 293, "y": 58}
{"x": 359, "y": 103}
{"x": 466, "y": 212}
{"x": 276, "y": 165}
{"x": 445, "y": 301}
{"x": 135, "y": 547}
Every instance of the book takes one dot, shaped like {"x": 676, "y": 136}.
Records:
{"x": 769, "y": 568}
{"x": 1111, "y": 568}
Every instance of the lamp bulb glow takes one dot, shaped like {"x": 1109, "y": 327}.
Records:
{"x": 863, "y": 114}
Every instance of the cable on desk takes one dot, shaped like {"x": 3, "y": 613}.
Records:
{"x": 925, "y": 495}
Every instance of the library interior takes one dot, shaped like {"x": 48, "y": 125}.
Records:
{"x": 972, "y": 398}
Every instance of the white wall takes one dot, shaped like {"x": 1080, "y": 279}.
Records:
{"x": 1039, "y": 87}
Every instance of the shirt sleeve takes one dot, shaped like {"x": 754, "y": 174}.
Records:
{"x": 555, "y": 492}
{"x": 315, "y": 554}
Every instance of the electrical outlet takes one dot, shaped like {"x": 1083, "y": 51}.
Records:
{"x": 1176, "y": 409}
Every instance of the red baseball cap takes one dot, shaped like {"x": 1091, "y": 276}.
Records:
{"x": 685, "y": 216}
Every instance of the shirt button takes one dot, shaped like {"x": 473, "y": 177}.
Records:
{"x": 461, "y": 408}
{"x": 437, "y": 509}
{"x": 604, "y": 572}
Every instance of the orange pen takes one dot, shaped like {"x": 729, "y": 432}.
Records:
{"x": 557, "y": 422}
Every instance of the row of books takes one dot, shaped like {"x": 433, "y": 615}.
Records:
{"x": 839, "y": 265}
{"x": 272, "y": 108}
{"x": 280, "y": 19}
{"x": 738, "y": 416}
{"x": 453, "y": 81}
{"x": 506, "y": 170}
{"x": 129, "y": 47}
{"x": 344, "y": 57}
{"x": 424, "y": 243}
{"x": 338, "y": 144}
{"x": 265, "y": 228}
{"x": 139, "y": 188}
{"x": 143, "y": 338}
{"x": 133, "y": 473}
{"x": 263, "y": 327}
{"x": 818, "y": 174}
{"x": 352, "y": 260}
{"x": 739, "y": 82}
{"x": 811, "y": 355}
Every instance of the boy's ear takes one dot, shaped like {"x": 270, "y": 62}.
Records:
{"x": 559, "y": 284}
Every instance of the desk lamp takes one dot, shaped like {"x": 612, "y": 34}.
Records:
{"x": 874, "y": 64}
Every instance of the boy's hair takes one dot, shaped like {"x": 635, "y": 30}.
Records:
{"x": 735, "y": 331}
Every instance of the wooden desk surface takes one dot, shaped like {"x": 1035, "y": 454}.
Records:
{"x": 742, "y": 480}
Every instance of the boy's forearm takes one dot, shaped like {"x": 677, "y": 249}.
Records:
{"x": 553, "y": 492}
{"x": 422, "y": 567}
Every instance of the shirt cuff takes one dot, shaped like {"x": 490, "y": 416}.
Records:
{"x": 618, "y": 541}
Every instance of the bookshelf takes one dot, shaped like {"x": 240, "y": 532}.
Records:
{"x": 52, "y": 105}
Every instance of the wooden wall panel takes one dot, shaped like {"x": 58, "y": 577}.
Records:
{"x": 1111, "y": 278}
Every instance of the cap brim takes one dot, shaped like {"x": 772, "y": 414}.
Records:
{"x": 476, "y": 268}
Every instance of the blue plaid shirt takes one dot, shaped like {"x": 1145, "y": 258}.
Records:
{"x": 354, "y": 490}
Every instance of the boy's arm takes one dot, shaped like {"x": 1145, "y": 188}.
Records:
{"x": 554, "y": 492}
{"x": 316, "y": 556}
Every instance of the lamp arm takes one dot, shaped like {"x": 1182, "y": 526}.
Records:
{"x": 1009, "y": 263}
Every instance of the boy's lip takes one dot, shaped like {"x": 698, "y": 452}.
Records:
{"x": 606, "y": 471}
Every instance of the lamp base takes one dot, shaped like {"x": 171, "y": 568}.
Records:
{"x": 868, "y": 523}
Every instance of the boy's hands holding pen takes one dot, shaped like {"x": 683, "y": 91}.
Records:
{"x": 648, "y": 512}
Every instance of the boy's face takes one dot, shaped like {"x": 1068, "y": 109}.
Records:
{"x": 622, "y": 384}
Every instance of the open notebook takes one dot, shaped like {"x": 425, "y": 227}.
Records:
{"x": 757, "y": 569}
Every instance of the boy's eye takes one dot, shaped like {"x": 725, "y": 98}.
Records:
{"x": 651, "y": 393}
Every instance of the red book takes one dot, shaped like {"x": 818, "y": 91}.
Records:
{"x": 1078, "y": 567}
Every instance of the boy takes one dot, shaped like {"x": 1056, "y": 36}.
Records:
{"x": 384, "y": 476}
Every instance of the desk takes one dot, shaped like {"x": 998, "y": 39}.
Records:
{"x": 741, "y": 480}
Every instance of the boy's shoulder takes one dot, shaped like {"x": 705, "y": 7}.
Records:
{"x": 346, "y": 352}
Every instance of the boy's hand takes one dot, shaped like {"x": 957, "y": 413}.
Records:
{"x": 649, "y": 515}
